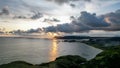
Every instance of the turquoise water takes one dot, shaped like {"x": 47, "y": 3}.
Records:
{"x": 37, "y": 51}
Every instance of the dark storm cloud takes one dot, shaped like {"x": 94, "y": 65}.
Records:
{"x": 114, "y": 19}
{"x": 92, "y": 20}
{"x": 87, "y": 21}
{"x": 67, "y": 28}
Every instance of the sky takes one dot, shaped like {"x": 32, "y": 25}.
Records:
{"x": 69, "y": 16}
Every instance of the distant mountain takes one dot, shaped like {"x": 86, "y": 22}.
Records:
{"x": 88, "y": 37}
{"x": 71, "y": 37}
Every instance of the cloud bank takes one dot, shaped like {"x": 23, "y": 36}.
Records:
{"x": 87, "y": 21}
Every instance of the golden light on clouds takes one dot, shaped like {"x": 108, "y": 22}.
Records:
{"x": 51, "y": 35}
{"x": 107, "y": 20}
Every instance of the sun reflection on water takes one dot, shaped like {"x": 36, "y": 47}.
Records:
{"x": 54, "y": 50}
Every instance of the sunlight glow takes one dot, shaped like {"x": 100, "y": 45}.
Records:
{"x": 54, "y": 50}
{"x": 51, "y": 35}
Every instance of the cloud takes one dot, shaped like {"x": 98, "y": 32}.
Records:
{"x": 5, "y": 11}
{"x": 33, "y": 17}
{"x": 56, "y": 20}
{"x": 67, "y": 28}
{"x": 35, "y": 9}
{"x": 12, "y": 5}
{"x": 51, "y": 20}
{"x": 66, "y": 1}
{"x": 59, "y": 1}
{"x": 24, "y": 9}
{"x": 92, "y": 20}
{"x": 38, "y": 30}
{"x": 88, "y": 0}
{"x": 87, "y": 21}
{"x": 34, "y": 30}
{"x": 37, "y": 16}
{"x": 114, "y": 19}
{"x": 73, "y": 5}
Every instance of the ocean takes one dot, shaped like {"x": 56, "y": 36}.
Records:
{"x": 37, "y": 51}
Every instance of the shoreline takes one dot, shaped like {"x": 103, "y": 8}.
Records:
{"x": 70, "y": 61}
